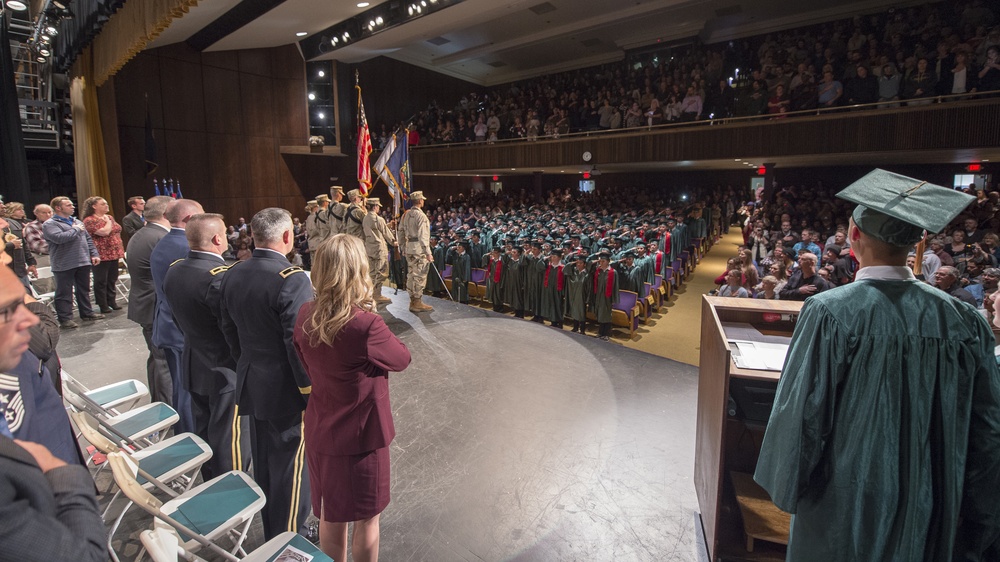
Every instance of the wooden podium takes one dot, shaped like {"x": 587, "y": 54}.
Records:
{"x": 727, "y": 446}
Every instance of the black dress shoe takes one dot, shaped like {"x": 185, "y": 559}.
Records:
{"x": 115, "y": 306}
{"x": 92, "y": 317}
{"x": 107, "y": 310}
{"x": 68, "y": 324}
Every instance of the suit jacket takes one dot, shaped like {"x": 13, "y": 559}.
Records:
{"x": 349, "y": 411}
{"x": 51, "y": 516}
{"x": 260, "y": 299}
{"x": 142, "y": 294}
{"x": 131, "y": 223}
{"x": 173, "y": 247}
{"x": 192, "y": 287}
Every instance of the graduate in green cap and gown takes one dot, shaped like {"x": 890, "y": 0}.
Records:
{"x": 461, "y": 271}
{"x": 535, "y": 264}
{"x": 514, "y": 271}
{"x": 884, "y": 438}
{"x": 440, "y": 252}
{"x": 577, "y": 292}
{"x": 494, "y": 278}
{"x": 553, "y": 289}
{"x": 605, "y": 293}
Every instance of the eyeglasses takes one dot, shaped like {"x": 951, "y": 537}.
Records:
{"x": 7, "y": 313}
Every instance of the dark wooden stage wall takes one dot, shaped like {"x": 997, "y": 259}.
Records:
{"x": 219, "y": 119}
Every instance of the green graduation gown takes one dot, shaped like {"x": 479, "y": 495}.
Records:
{"x": 461, "y": 271}
{"x": 534, "y": 268}
{"x": 433, "y": 281}
{"x": 602, "y": 303}
{"x": 494, "y": 279}
{"x": 513, "y": 282}
{"x": 578, "y": 284}
{"x": 553, "y": 293}
{"x": 885, "y": 429}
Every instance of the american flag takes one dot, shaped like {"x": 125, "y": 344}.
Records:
{"x": 364, "y": 148}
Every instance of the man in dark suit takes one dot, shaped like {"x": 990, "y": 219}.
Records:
{"x": 134, "y": 220}
{"x": 166, "y": 335}
{"x": 207, "y": 367}
{"x": 261, "y": 298}
{"x": 142, "y": 295}
{"x": 48, "y": 510}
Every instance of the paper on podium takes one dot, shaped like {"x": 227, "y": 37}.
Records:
{"x": 757, "y": 355}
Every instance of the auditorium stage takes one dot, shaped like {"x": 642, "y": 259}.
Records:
{"x": 515, "y": 441}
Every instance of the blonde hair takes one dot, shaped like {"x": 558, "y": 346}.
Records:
{"x": 341, "y": 280}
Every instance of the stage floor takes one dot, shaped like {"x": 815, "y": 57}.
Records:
{"x": 515, "y": 441}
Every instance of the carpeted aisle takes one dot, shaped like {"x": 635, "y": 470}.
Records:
{"x": 675, "y": 332}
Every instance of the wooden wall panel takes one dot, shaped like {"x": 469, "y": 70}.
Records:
{"x": 262, "y": 154}
{"x": 258, "y": 105}
{"x": 255, "y": 61}
{"x": 230, "y": 172}
{"x": 188, "y": 162}
{"x": 183, "y": 95}
{"x": 136, "y": 86}
{"x": 228, "y": 60}
{"x": 219, "y": 120}
{"x": 291, "y": 118}
{"x": 223, "y": 111}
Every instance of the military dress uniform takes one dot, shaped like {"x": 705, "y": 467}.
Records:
{"x": 208, "y": 371}
{"x": 318, "y": 225}
{"x": 261, "y": 298}
{"x": 377, "y": 236}
{"x": 413, "y": 236}
{"x": 336, "y": 215}
{"x": 354, "y": 219}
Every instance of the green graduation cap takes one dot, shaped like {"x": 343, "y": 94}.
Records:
{"x": 897, "y": 209}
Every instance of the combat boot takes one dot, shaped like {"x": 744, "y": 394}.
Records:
{"x": 379, "y": 299}
{"x": 417, "y": 305}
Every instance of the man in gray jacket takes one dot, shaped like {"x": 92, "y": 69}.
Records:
{"x": 72, "y": 254}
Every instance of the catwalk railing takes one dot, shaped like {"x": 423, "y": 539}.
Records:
{"x": 945, "y": 123}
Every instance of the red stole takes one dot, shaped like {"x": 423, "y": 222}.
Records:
{"x": 559, "y": 276}
{"x": 497, "y": 270}
{"x": 609, "y": 288}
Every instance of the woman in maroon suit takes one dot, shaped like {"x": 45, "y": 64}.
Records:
{"x": 348, "y": 352}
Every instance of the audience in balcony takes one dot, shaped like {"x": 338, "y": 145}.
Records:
{"x": 901, "y": 56}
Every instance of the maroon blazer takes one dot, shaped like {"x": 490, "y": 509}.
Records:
{"x": 348, "y": 411}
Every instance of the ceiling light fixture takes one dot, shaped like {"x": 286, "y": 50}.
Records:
{"x": 51, "y": 30}
{"x": 312, "y": 96}
{"x": 379, "y": 20}
{"x": 16, "y": 5}
{"x": 301, "y": 33}
{"x": 363, "y": 4}
{"x": 321, "y": 74}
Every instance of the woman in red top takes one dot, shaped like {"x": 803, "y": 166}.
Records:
{"x": 107, "y": 235}
{"x": 348, "y": 351}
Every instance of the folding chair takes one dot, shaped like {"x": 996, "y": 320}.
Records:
{"x": 175, "y": 462}
{"x": 120, "y": 285}
{"x": 163, "y": 545}
{"x": 222, "y": 507}
{"x": 115, "y": 397}
{"x": 139, "y": 427}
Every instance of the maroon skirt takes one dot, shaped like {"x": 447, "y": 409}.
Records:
{"x": 349, "y": 488}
